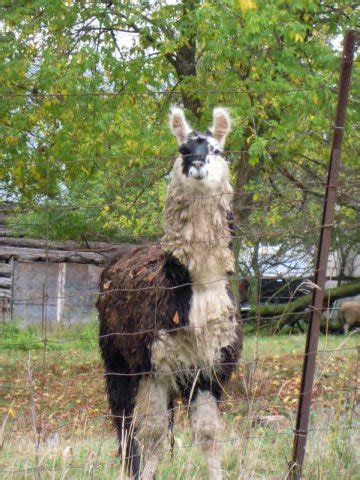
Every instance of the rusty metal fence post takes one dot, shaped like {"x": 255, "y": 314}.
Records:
{"x": 308, "y": 372}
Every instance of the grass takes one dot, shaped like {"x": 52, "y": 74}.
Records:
{"x": 81, "y": 337}
{"x": 75, "y": 441}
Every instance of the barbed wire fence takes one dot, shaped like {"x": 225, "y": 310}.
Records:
{"x": 39, "y": 382}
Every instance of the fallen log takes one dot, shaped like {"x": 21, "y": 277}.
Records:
{"x": 283, "y": 313}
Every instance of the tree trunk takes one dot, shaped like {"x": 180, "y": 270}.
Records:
{"x": 185, "y": 64}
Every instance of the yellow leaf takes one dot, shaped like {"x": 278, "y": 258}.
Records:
{"x": 315, "y": 99}
{"x": 246, "y": 5}
{"x": 298, "y": 38}
{"x": 11, "y": 412}
{"x": 176, "y": 318}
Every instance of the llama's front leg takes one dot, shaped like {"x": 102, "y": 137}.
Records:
{"x": 151, "y": 422}
{"x": 207, "y": 427}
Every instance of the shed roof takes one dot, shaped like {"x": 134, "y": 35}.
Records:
{"x": 32, "y": 250}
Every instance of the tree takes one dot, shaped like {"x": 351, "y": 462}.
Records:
{"x": 86, "y": 87}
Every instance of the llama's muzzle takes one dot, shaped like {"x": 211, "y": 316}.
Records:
{"x": 198, "y": 170}
{"x": 198, "y": 164}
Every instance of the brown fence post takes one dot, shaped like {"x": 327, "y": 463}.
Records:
{"x": 312, "y": 338}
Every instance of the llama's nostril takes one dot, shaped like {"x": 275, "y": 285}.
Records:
{"x": 198, "y": 163}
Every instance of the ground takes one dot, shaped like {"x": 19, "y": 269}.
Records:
{"x": 55, "y": 411}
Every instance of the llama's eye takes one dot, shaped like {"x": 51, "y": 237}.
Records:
{"x": 184, "y": 151}
{"x": 216, "y": 151}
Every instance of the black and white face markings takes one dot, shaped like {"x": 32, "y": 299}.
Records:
{"x": 201, "y": 165}
{"x": 197, "y": 153}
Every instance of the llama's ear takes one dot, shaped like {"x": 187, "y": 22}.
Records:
{"x": 221, "y": 126}
{"x": 179, "y": 125}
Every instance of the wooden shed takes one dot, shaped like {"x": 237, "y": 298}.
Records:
{"x": 52, "y": 281}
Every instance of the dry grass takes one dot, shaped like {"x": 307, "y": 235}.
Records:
{"x": 58, "y": 424}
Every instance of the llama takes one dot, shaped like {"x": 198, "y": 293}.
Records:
{"x": 350, "y": 315}
{"x": 169, "y": 324}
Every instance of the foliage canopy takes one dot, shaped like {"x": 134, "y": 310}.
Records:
{"x": 86, "y": 88}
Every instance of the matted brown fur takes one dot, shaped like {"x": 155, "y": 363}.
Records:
{"x": 136, "y": 296}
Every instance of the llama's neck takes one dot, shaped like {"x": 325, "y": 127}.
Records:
{"x": 197, "y": 231}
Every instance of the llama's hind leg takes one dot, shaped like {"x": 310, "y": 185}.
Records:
{"x": 151, "y": 422}
{"x": 121, "y": 395}
{"x": 207, "y": 427}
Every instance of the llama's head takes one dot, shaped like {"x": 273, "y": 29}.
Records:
{"x": 201, "y": 165}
